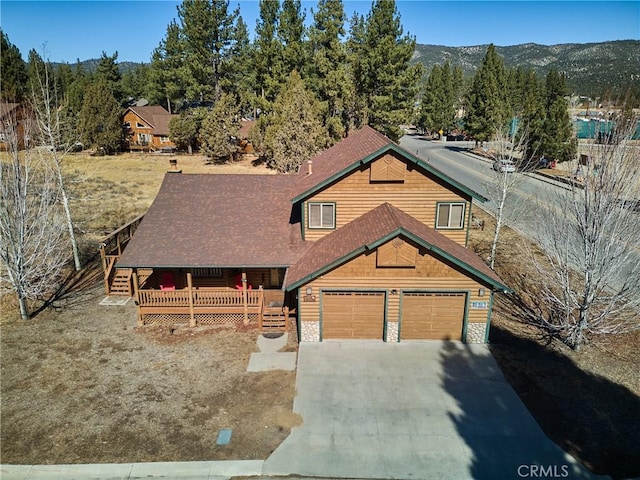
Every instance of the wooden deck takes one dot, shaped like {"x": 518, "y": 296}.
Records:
{"x": 213, "y": 306}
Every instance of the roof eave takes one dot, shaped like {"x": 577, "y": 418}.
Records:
{"x": 396, "y": 148}
{"x": 372, "y": 245}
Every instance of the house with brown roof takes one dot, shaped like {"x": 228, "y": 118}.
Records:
{"x": 367, "y": 241}
{"x": 147, "y": 128}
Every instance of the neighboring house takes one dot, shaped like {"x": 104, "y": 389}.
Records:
{"x": 15, "y": 119}
{"x": 147, "y": 128}
{"x": 367, "y": 241}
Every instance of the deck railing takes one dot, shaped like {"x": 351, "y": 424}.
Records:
{"x": 200, "y": 298}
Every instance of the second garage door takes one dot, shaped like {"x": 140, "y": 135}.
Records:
{"x": 357, "y": 315}
{"x": 432, "y": 316}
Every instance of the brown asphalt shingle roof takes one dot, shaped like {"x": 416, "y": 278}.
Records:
{"x": 384, "y": 220}
{"x": 156, "y": 116}
{"x": 356, "y": 146}
{"x": 217, "y": 221}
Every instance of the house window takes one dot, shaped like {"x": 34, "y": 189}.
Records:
{"x": 450, "y": 215}
{"x": 207, "y": 272}
{"x": 141, "y": 125}
{"x": 322, "y": 215}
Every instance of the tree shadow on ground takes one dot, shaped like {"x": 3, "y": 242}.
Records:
{"x": 591, "y": 417}
{"x": 75, "y": 288}
{"x": 502, "y": 438}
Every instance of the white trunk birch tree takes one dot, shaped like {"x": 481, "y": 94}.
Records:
{"x": 591, "y": 269}
{"x": 56, "y": 139}
{"x": 32, "y": 233}
{"x": 501, "y": 189}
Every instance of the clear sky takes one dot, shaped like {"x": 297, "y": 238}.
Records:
{"x": 70, "y": 30}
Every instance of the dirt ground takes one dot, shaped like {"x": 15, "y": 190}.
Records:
{"x": 83, "y": 385}
{"x": 80, "y": 383}
{"x": 588, "y": 402}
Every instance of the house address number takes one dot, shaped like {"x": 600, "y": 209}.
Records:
{"x": 479, "y": 305}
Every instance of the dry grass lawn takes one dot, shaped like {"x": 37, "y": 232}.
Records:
{"x": 588, "y": 401}
{"x": 81, "y": 384}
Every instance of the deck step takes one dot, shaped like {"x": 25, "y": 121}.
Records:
{"x": 121, "y": 283}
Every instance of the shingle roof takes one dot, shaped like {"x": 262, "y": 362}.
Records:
{"x": 156, "y": 116}
{"x": 373, "y": 228}
{"x": 343, "y": 154}
{"x": 217, "y": 221}
{"x": 347, "y": 155}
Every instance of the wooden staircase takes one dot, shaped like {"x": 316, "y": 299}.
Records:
{"x": 121, "y": 283}
{"x": 274, "y": 315}
{"x": 275, "y": 319}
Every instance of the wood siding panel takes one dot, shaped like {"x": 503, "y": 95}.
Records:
{"x": 429, "y": 274}
{"x": 417, "y": 196}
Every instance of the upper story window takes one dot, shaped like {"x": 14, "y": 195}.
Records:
{"x": 141, "y": 125}
{"x": 450, "y": 215}
{"x": 322, "y": 215}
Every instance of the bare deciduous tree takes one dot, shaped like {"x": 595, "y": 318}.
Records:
{"x": 31, "y": 225}
{"x": 590, "y": 236}
{"x": 55, "y": 139}
{"x": 500, "y": 190}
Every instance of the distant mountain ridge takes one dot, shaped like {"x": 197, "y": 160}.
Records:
{"x": 590, "y": 68}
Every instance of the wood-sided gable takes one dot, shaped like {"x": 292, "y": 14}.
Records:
{"x": 391, "y": 175}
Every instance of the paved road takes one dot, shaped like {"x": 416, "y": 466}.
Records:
{"x": 453, "y": 159}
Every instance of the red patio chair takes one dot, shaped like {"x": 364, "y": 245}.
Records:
{"x": 168, "y": 281}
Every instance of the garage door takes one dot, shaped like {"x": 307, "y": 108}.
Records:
{"x": 348, "y": 315}
{"x": 432, "y": 316}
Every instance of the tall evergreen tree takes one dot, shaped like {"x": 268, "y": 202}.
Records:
{"x": 240, "y": 78}
{"x": 167, "y": 82}
{"x": 439, "y": 100}
{"x": 108, "y": 70}
{"x": 219, "y": 132}
{"x": 267, "y": 54}
{"x": 560, "y": 142}
{"x": 100, "y": 118}
{"x": 388, "y": 82}
{"x": 291, "y": 33}
{"x": 487, "y": 107}
{"x": 207, "y": 27}
{"x": 295, "y": 131}
{"x": 14, "y": 71}
{"x": 328, "y": 71}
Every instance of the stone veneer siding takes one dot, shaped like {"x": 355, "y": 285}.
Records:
{"x": 476, "y": 333}
{"x": 392, "y": 332}
{"x": 310, "y": 331}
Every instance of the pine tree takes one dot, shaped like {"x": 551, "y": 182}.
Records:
{"x": 438, "y": 109}
{"x": 240, "y": 79}
{"x": 207, "y": 28}
{"x": 183, "y": 131}
{"x": 291, "y": 33}
{"x": 328, "y": 70}
{"x": 219, "y": 131}
{"x": 487, "y": 104}
{"x": 559, "y": 142}
{"x": 100, "y": 118}
{"x": 294, "y": 133}
{"x": 267, "y": 60}
{"x": 14, "y": 71}
{"x": 384, "y": 77}
{"x": 167, "y": 82}
{"x": 107, "y": 69}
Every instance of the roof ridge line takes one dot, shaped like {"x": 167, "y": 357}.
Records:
{"x": 391, "y": 209}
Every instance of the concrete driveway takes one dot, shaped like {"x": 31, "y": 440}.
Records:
{"x": 423, "y": 410}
